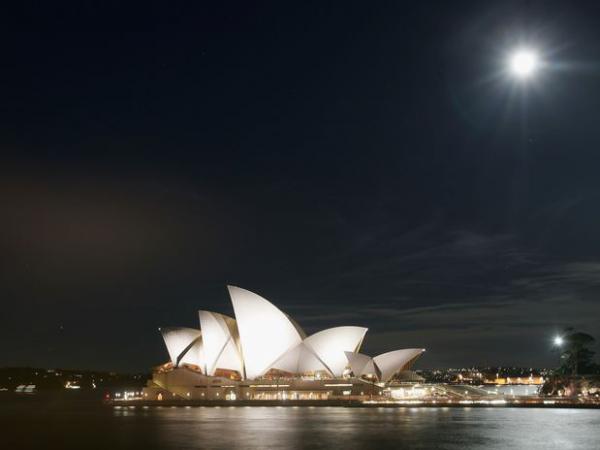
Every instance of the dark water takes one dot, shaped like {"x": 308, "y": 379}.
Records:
{"x": 82, "y": 426}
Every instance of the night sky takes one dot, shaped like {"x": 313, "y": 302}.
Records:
{"x": 363, "y": 163}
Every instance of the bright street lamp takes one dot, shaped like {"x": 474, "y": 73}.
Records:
{"x": 558, "y": 341}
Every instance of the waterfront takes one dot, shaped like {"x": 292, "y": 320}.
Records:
{"x": 57, "y": 423}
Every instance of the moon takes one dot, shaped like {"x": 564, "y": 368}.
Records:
{"x": 523, "y": 63}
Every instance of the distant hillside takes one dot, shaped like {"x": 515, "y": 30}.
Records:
{"x": 55, "y": 379}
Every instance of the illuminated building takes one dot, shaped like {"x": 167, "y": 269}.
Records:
{"x": 262, "y": 353}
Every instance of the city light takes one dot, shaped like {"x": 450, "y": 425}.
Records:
{"x": 558, "y": 341}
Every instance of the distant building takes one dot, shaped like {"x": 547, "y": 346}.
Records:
{"x": 535, "y": 380}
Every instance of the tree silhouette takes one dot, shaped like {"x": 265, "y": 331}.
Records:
{"x": 576, "y": 356}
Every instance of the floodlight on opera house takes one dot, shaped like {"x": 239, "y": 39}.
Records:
{"x": 263, "y": 338}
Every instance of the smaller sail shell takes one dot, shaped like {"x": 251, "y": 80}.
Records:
{"x": 179, "y": 341}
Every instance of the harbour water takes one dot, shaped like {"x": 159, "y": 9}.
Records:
{"x": 83, "y": 425}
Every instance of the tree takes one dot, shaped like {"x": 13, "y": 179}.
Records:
{"x": 576, "y": 357}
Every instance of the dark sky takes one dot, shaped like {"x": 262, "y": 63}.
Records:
{"x": 363, "y": 163}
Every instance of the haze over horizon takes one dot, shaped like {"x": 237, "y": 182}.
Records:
{"x": 354, "y": 166}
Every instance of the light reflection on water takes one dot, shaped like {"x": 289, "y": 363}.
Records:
{"x": 356, "y": 428}
{"x": 299, "y": 428}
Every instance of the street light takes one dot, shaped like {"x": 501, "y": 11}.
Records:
{"x": 558, "y": 341}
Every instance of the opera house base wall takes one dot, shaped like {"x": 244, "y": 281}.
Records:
{"x": 183, "y": 383}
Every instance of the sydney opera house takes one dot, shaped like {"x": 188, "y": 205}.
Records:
{"x": 263, "y": 353}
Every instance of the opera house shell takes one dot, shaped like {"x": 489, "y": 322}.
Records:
{"x": 263, "y": 343}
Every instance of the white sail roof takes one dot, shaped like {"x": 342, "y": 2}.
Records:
{"x": 330, "y": 346}
{"x": 221, "y": 340}
{"x": 391, "y": 362}
{"x": 179, "y": 341}
{"x": 194, "y": 355}
{"x": 265, "y": 332}
{"x": 361, "y": 364}
{"x": 300, "y": 359}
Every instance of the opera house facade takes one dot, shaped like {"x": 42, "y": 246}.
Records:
{"x": 263, "y": 353}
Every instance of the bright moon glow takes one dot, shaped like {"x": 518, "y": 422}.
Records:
{"x": 523, "y": 63}
{"x": 558, "y": 340}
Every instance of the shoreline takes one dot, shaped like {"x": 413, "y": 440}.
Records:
{"x": 89, "y": 398}
{"x": 543, "y": 403}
